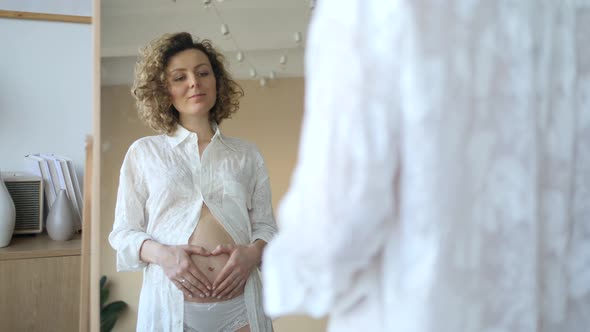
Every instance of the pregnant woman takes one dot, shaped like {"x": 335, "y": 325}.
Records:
{"x": 194, "y": 206}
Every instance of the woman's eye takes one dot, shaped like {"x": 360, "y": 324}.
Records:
{"x": 178, "y": 78}
{"x": 203, "y": 73}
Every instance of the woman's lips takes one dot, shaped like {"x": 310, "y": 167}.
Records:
{"x": 197, "y": 96}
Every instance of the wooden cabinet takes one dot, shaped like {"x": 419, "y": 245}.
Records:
{"x": 40, "y": 284}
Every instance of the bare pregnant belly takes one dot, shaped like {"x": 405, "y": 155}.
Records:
{"x": 209, "y": 234}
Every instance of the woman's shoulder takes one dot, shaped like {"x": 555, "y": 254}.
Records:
{"x": 241, "y": 145}
{"x": 147, "y": 144}
{"x": 245, "y": 148}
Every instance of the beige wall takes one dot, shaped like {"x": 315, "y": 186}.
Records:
{"x": 269, "y": 116}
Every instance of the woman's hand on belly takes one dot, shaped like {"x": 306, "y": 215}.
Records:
{"x": 235, "y": 273}
{"x": 183, "y": 272}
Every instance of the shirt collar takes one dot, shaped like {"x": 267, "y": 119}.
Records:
{"x": 181, "y": 134}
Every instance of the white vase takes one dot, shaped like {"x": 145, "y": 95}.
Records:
{"x": 7, "y": 215}
{"x": 61, "y": 219}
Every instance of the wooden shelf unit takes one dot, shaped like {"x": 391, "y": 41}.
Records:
{"x": 40, "y": 284}
{"x": 40, "y": 245}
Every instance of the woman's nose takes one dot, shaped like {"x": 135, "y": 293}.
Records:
{"x": 194, "y": 81}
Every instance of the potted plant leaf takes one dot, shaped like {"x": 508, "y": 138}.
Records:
{"x": 109, "y": 313}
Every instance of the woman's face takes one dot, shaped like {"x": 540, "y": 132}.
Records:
{"x": 191, "y": 83}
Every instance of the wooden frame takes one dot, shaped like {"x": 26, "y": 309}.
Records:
{"x": 94, "y": 245}
{"x": 85, "y": 278}
{"x": 45, "y": 17}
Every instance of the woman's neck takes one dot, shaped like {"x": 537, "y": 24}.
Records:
{"x": 200, "y": 126}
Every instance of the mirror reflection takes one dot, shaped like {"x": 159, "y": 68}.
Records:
{"x": 199, "y": 135}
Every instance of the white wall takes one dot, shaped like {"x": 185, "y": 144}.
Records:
{"x": 45, "y": 90}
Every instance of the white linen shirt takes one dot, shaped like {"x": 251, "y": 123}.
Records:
{"x": 162, "y": 187}
{"x": 443, "y": 179}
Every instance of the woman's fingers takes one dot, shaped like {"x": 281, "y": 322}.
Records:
{"x": 182, "y": 288}
{"x": 222, "y": 280}
{"x": 202, "y": 279}
{"x": 187, "y": 287}
{"x": 223, "y": 249}
{"x": 196, "y": 250}
{"x": 231, "y": 287}
{"x": 195, "y": 285}
{"x": 237, "y": 289}
{"x": 227, "y": 285}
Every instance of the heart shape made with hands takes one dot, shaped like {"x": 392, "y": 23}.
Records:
{"x": 211, "y": 262}
{"x": 227, "y": 267}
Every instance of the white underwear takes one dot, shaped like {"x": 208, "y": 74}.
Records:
{"x": 225, "y": 316}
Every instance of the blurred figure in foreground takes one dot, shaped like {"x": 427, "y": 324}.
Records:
{"x": 443, "y": 179}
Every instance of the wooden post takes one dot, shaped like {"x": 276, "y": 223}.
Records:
{"x": 85, "y": 255}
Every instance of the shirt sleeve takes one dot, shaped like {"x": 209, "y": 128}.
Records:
{"x": 264, "y": 226}
{"x": 340, "y": 207}
{"x": 129, "y": 229}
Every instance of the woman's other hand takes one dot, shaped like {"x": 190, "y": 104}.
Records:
{"x": 235, "y": 273}
{"x": 179, "y": 267}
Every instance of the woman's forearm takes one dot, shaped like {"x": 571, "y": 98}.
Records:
{"x": 151, "y": 252}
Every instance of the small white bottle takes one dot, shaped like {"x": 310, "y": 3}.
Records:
{"x": 7, "y": 215}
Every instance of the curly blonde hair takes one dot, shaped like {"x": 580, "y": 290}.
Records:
{"x": 150, "y": 87}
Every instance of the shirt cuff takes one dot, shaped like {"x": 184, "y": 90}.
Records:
{"x": 288, "y": 288}
{"x": 262, "y": 234}
{"x": 128, "y": 258}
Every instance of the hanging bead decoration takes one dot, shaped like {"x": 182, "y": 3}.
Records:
{"x": 252, "y": 72}
{"x": 240, "y": 57}
{"x": 224, "y": 29}
{"x": 297, "y": 37}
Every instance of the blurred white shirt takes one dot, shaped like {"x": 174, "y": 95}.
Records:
{"x": 443, "y": 180}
